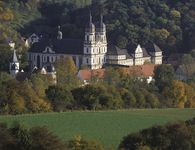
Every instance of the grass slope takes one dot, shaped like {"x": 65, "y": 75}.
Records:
{"x": 108, "y": 127}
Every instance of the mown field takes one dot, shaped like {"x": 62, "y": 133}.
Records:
{"x": 108, "y": 127}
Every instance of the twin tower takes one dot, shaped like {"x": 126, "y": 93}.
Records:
{"x": 95, "y": 44}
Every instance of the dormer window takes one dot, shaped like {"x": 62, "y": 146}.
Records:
{"x": 48, "y": 50}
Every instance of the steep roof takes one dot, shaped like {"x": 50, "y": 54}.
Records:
{"x": 87, "y": 74}
{"x": 15, "y": 59}
{"x": 114, "y": 50}
{"x": 63, "y": 46}
{"x": 152, "y": 47}
{"x": 145, "y": 53}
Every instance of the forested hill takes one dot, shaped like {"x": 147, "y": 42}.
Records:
{"x": 169, "y": 23}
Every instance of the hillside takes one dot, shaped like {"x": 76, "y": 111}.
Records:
{"x": 170, "y": 24}
{"x": 108, "y": 127}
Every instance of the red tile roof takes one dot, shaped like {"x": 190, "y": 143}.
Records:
{"x": 141, "y": 71}
{"x": 88, "y": 74}
{"x": 145, "y": 70}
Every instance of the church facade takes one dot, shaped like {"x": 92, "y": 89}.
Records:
{"x": 93, "y": 51}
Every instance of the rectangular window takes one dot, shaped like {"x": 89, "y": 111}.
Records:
{"x": 87, "y": 50}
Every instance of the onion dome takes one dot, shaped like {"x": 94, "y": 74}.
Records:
{"x": 90, "y": 27}
{"x": 102, "y": 25}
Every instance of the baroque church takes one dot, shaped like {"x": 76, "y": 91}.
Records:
{"x": 93, "y": 52}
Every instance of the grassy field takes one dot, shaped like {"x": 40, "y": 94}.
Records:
{"x": 108, "y": 127}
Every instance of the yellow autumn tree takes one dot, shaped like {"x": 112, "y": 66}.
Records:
{"x": 16, "y": 103}
{"x": 178, "y": 93}
{"x": 5, "y": 13}
{"x": 66, "y": 72}
{"x": 190, "y": 95}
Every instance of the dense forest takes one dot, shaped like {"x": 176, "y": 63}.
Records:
{"x": 170, "y": 24}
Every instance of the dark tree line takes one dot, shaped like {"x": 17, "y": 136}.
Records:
{"x": 177, "y": 136}
{"x": 170, "y": 24}
{"x": 18, "y": 137}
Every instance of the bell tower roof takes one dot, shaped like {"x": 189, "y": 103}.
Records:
{"x": 90, "y": 27}
{"x": 15, "y": 59}
{"x": 101, "y": 27}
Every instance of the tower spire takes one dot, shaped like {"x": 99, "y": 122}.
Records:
{"x": 15, "y": 59}
{"x": 60, "y": 34}
{"x": 14, "y": 65}
{"x": 90, "y": 17}
{"x": 90, "y": 27}
{"x": 101, "y": 19}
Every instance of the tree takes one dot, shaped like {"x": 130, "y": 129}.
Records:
{"x": 164, "y": 75}
{"x": 78, "y": 143}
{"x": 178, "y": 93}
{"x": 112, "y": 76}
{"x": 66, "y": 72}
{"x": 22, "y": 136}
{"x": 43, "y": 139}
{"x": 7, "y": 142}
{"x": 121, "y": 41}
{"x": 161, "y": 34}
{"x": 190, "y": 95}
{"x": 88, "y": 96}
{"x": 39, "y": 85}
{"x": 61, "y": 98}
{"x": 33, "y": 103}
{"x": 187, "y": 61}
{"x": 128, "y": 98}
{"x": 140, "y": 99}
{"x": 171, "y": 136}
{"x": 151, "y": 100}
{"x": 16, "y": 103}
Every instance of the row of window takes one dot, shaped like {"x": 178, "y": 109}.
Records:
{"x": 44, "y": 58}
{"x": 99, "y": 60}
{"x": 93, "y": 38}
{"x": 95, "y": 50}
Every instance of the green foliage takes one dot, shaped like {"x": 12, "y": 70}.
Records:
{"x": 20, "y": 138}
{"x": 66, "y": 73}
{"x": 20, "y": 97}
{"x": 107, "y": 127}
{"x": 61, "y": 98}
{"x": 44, "y": 139}
{"x": 164, "y": 75}
{"x": 78, "y": 143}
{"x": 171, "y": 136}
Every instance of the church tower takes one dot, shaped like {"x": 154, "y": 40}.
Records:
{"x": 101, "y": 31}
{"x": 95, "y": 44}
{"x": 14, "y": 65}
{"x": 89, "y": 45}
{"x": 101, "y": 42}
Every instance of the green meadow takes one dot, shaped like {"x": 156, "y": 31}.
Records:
{"x": 109, "y": 127}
